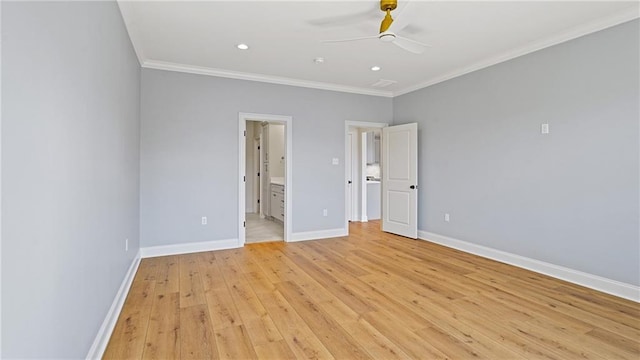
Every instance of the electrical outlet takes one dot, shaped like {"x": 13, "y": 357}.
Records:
{"x": 126, "y": 244}
{"x": 446, "y": 217}
{"x": 204, "y": 220}
{"x": 324, "y": 212}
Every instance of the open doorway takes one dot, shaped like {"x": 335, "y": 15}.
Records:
{"x": 264, "y": 187}
{"x": 265, "y": 172}
{"x": 362, "y": 171}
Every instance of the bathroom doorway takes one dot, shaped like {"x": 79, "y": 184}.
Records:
{"x": 265, "y": 198}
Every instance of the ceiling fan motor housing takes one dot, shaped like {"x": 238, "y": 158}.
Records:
{"x": 388, "y": 5}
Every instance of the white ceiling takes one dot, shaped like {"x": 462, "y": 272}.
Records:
{"x": 285, "y": 37}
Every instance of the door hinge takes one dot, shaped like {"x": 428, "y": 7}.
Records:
{"x": 258, "y": 201}
{"x": 258, "y": 174}
{"x": 244, "y": 224}
{"x": 244, "y": 178}
{"x": 258, "y": 147}
{"x": 245, "y": 133}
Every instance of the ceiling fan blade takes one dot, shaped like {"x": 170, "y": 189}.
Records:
{"x": 401, "y": 20}
{"x": 351, "y": 39}
{"x": 410, "y": 45}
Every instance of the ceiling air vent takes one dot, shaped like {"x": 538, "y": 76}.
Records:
{"x": 383, "y": 83}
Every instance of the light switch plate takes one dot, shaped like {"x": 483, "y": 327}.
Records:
{"x": 335, "y": 161}
{"x": 544, "y": 128}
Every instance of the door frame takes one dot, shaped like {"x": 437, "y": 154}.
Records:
{"x": 362, "y": 180}
{"x": 256, "y": 170}
{"x": 287, "y": 121}
{"x": 261, "y": 190}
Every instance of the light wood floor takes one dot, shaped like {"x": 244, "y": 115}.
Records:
{"x": 370, "y": 295}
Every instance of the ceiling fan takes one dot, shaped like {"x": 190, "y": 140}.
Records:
{"x": 389, "y": 29}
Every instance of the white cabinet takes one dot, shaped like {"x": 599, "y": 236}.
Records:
{"x": 273, "y": 163}
{"x": 374, "y": 196}
{"x": 277, "y": 202}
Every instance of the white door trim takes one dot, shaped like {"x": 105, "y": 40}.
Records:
{"x": 348, "y": 161}
{"x": 363, "y": 188}
{"x": 355, "y": 170}
{"x": 261, "y": 190}
{"x": 256, "y": 169}
{"x": 242, "y": 127}
{"x": 0, "y": 186}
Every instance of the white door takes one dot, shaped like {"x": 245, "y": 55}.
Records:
{"x": 349, "y": 177}
{"x": 400, "y": 180}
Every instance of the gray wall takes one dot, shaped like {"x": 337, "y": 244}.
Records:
{"x": 189, "y": 152}
{"x": 70, "y": 172}
{"x": 568, "y": 198}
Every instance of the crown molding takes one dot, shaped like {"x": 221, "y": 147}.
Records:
{"x": 169, "y": 66}
{"x": 574, "y": 33}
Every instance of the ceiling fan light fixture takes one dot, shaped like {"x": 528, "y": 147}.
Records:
{"x": 389, "y": 28}
{"x": 376, "y": 68}
{"x": 243, "y": 46}
{"x": 387, "y": 37}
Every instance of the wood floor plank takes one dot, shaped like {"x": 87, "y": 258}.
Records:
{"x": 163, "y": 333}
{"x": 276, "y": 350}
{"x": 191, "y": 288}
{"x": 210, "y": 273}
{"x": 595, "y": 319}
{"x": 339, "y": 342}
{"x": 448, "y": 344}
{"x": 509, "y": 336}
{"x": 168, "y": 275}
{"x": 258, "y": 323}
{"x": 368, "y": 295}
{"x": 197, "y": 340}
{"x": 628, "y": 345}
{"x": 296, "y": 332}
{"x": 128, "y": 339}
{"x": 574, "y": 344}
{"x": 375, "y": 343}
{"x": 234, "y": 343}
{"x": 148, "y": 269}
{"x": 222, "y": 309}
{"x": 325, "y": 277}
{"x": 289, "y": 270}
{"x": 410, "y": 342}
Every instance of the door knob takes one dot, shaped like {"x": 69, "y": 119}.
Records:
{"x": 349, "y": 182}
{"x": 413, "y": 187}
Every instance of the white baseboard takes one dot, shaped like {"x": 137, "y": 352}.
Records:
{"x": 102, "y": 338}
{"x": 613, "y": 287}
{"x": 321, "y": 234}
{"x": 176, "y": 249}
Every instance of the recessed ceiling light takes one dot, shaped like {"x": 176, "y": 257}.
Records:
{"x": 375, "y": 68}
{"x": 243, "y": 46}
{"x": 318, "y": 60}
